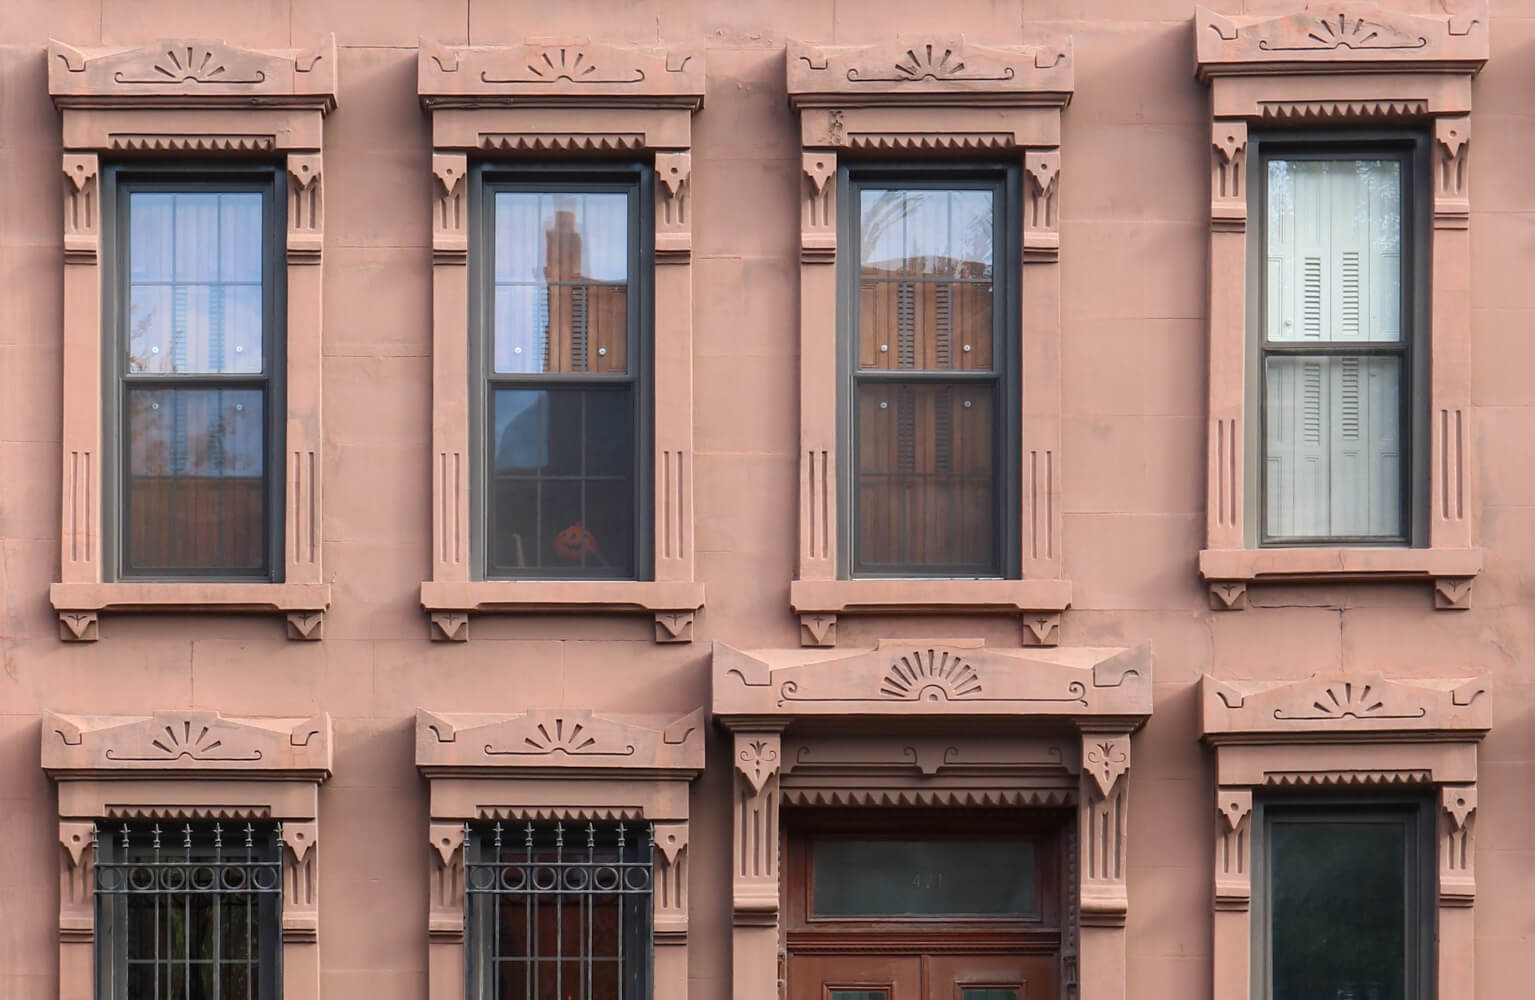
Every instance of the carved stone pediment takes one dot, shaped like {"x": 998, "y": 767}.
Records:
{"x": 183, "y": 742}
{"x": 930, "y": 70}
{"x": 577, "y": 73}
{"x": 193, "y": 73}
{"x": 914, "y": 677}
{"x": 1341, "y": 705}
{"x": 560, "y": 738}
{"x": 1334, "y": 33}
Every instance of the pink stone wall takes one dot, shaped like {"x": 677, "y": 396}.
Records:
{"x": 1135, "y": 215}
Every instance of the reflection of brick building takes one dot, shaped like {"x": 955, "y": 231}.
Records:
{"x": 586, "y": 324}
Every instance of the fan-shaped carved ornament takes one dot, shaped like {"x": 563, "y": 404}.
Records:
{"x": 557, "y": 738}
{"x": 1340, "y": 34}
{"x": 187, "y": 740}
{"x": 1363, "y": 702}
{"x": 196, "y": 71}
{"x": 929, "y": 66}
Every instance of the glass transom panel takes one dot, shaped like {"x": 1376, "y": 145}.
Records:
{"x": 923, "y": 878}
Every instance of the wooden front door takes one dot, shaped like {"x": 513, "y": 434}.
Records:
{"x": 923, "y": 977}
{"x": 919, "y": 905}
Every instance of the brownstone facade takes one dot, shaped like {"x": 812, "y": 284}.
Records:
{"x": 973, "y": 545}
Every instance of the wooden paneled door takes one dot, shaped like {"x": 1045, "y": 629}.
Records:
{"x": 923, "y": 977}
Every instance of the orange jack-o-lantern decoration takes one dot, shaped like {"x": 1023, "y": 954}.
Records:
{"x": 575, "y": 542}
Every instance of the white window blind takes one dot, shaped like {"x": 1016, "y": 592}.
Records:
{"x": 1333, "y": 443}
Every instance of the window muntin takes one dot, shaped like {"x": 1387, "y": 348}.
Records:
{"x": 1348, "y": 907}
{"x": 565, "y": 383}
{"x": 196, "y": 355}
{"x": 1336, "y": 371}
{"x": 188, "y": 911}
{"x": 930, "y": 408}
{"x": 559, "y": 910}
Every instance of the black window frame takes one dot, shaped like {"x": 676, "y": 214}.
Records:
{"x": 1416, "y": 814}
{"x": 487, "y": 180}
{"x": 120, "y": 181}
{"x": 490, "y": 845}
{"x": 1409, "y": 147}
{"x": 113, "y": 867}
{"x": 1004, "y": 180}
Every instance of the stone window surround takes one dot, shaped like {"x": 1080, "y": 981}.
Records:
{"x": 1345, "y": 731}
{"x": 528, "y": 104}
{"x": 182, "y": 99}
{"x": 1342, "y": 66}
{"x": 188, "y": 765}
{"x": 557, "y": 764}
{"x": 930, "y": 98}
{"x": 925, "y": 722}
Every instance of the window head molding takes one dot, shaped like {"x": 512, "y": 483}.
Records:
{"x": 933, "y": 722}
{"x": 173, "y": 100}
{"x": 1346, "y": 731}
{"x": 1324, "y": 67}
{"x": 565, "y": 765}
{"x": 188, "y": 765}
{"x": 527, "y": 105}
{"x": 934, "y": 99}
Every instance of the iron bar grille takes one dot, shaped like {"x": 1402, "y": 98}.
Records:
{"x": 188, "y": 911}
{"x": 559, "y": 911}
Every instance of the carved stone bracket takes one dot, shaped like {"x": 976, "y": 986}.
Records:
{"x": 674, "y": 626}
{"x": 1452, "y": 194}
{"x": 674, "y": 215}
{"x": 79, "y": 626}
{"x": 1103, "y": 826}
{"x": 445, "y": 916}
{"x": 671, "y": 882}
{"x": 817, "y": 630}
{"x": 1228, "y": 175}
{"x": 301, "y": 881}
{"x": 306, "y": 625}
{"x": 1233, "y": 877}
{"x": 757, "y": 757}
{"x": 306, "y": 208}
{"x": 818, "y": 214}
{"x": 1041, "y": 628}
{"x": 449, "y": 626}
{"x": 1042, "y": 222}
{"x": 1457, "y": 846}
{"x": 82, "y": 208}
{"x": 1228, "y": 595}
{"x": 1452, "y": 593}
{"x": 450, "y": 239}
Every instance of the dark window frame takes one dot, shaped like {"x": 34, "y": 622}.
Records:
{"x": 119, "y": 182}
{"x": 1410, "y": 147}
{"x": 481, "y": 906}
{"x": 1416, "y": 814}
{"x": 1004, "y": 180}
{"x": 486, "y": 180}
{"x": 111, "y": 909}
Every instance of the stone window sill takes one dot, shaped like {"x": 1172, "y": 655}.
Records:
{"x": 673, "y": 603}
{"x": 78, "y": 604}
{"x": 1038, "y": 602}
{"x": 1229, "y": 571}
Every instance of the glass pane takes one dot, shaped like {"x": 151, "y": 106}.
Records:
{"x": 561, "y": 282}
{"x": 1334, "y": 261}
{"x": 857, "y": 995}
{"x": 195, "y": 487}
{"x": 1333, "y": 447}
{"x": 988, "y": 993}
{"x": 854, "y": 878}
{"x": 1339, "y": 910}
{"x": 562, "y": 490}
{"x": 194, "y": 285}
{"x": 925, "y": 477}
{"x": 925, "y": 231}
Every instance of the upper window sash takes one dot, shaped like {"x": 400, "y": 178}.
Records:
{"x": 890, "y": 370}
{"x": 239, "y": 384}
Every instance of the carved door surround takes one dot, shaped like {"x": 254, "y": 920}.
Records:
{"x": 188, "y": 765}
{"x": 190, "y": 99}
{"x": 1345, "y": 730}
{"x": 1342, "y": 66}
{"x": 557, "y": 764}
{"x": 942, "y": 723}
{"x": 935, "y": 98}
{"x": 571, "y": 101}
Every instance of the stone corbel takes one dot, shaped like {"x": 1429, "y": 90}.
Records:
{"x": 817, "y": 630}
{"x": 1452, "y": 178}
{"x": 674, "y": 214}
{"x": 1228, "y": 595}
{"x": 1042, "y": 628}
{"x": 818, "y": 217}
{"x": 671, "y": 882}
{"x": 1457, "y": 846}
{"x": 674, "y": 626}
{"x": 1103, "y": 827}
{"x": 1042, "y": 213}
{"x": 445, "y": 920}
{"x": 82, "y": 208}
{"x": 754, "y": 893}
{"x": 301, "y": 883}
{"x": 1233, "y": 845}
{"x": 1228, "y": 175}
{"x": 449, "y": 626}
{"x": 306, "y": 209}
{"x": 450, "y": 209}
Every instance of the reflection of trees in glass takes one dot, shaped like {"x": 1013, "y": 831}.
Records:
{"x": 1338, "y": 911}
{"x": 888, "y": 218}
